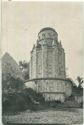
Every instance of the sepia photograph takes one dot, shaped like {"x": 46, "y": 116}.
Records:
{"x": 42, "y": 62}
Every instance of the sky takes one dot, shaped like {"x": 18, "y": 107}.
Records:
{"x": 22, "y": 21}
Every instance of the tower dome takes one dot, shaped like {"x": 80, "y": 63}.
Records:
{"x": 47, "y": 28}
{"x": 47, "y": 33}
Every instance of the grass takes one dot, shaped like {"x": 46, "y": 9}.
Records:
{"x": 52, "y": 116}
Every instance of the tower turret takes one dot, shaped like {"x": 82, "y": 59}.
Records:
{"x": 48, "y": 34}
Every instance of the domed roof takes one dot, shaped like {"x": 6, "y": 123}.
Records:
{"x": 47, "y": 28}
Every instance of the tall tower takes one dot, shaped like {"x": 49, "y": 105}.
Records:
{"x": 48, "y": 65}
{"x": 47, "y": 56}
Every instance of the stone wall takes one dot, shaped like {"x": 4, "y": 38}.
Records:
{"x": 54, "y": 97}
{"x": 50, "y": 63}
{"x": 39, "y": 63}
{"x": 51, "y": 86}
{"x": 57, "y": 88}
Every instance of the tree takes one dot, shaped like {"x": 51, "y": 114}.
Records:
{"x": 80, "y": 81}
{"x": 12, "y": 82}
{"x": 24, "y": 66}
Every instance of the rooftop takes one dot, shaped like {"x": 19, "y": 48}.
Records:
{"x": 47, "y": 28}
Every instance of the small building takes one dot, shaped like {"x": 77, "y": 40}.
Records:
{"x": 47, "y": 66}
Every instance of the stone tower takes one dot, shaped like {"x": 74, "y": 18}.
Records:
{"x": 48, "y": 62}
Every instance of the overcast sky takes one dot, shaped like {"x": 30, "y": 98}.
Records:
{"x": 22, "y": 21}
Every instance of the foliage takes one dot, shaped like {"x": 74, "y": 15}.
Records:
{"x": 24, "y": 66}
{"x": 21, "y": 101}
{"x": 80, "y": 80}
{"x": 12, "y": 82}
{"x": 10, "y": 89}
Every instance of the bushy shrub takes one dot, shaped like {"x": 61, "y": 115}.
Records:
{"x": 26, "y": 99}
{"x": 10, "y": 89}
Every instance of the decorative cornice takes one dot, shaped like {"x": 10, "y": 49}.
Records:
{"x": 52, "y": 78}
